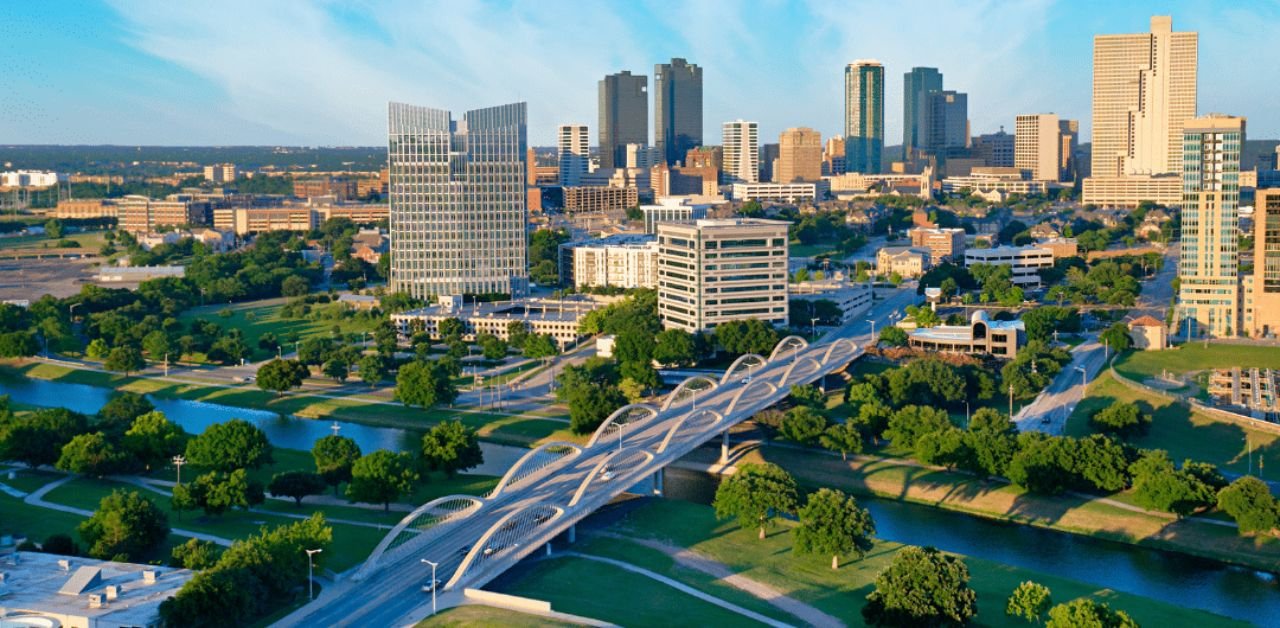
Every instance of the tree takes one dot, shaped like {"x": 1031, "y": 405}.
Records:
{"x": 910, "y": 422}
{"x": 631, "y": 389}
{"x": 296, "y": 484}
{"x": 381, "y": 477}
{"x": 336, "y": 367}
{"x": 491, "y": 347}
{"x": 295, "y": 286}
{"x": 124, "y": 359}
{"x": 755, "y": 495}
{"x": 517, "y": 333}
{"x": 590, "y": 404}
{"x": 451, "y": 329}
{"x": 1086, "y": 613}
{"x": 922, "y": 587}
{"x": 157, "y": 345}
{"x": 802, "y": 425}
{"x": 97, "y": 349}
{"x": 746, "y": 336}
{"x": 18, "y": 344}
{"x": 235, "y": 444}
{"x": 1121, "y": 418}
{"x": 1117, "y": 338}
{"x": 893, "y": 336}
{"x": 832, "y": 523}
{"x": 37, "y": 438}
{"x": 53, "y": 229}
{"x": 216, "y": 492}
{"x": 1251, "y": 504}
{"x": 675, "y": 347}
{"x": 451, "y": 447}
{"x": 120, "y": 410}
{"x": 423, "y": 384}
{"x": 280, "y": 375}
{"x": 195, "y": 554}
{"x": 842, "y": 437}
{"x": 809, "y": 395}
{"x": 945, "y": 446}
{"x": 539, "y": 346}
{"x": 334, "y": 456}
{"x": 60, "y": 544}
{"x": 1029, "y": 602}
{"x": 91, "y": 454}
{"x": 373, "y": 368}
{"x": 126, "y": 526}
{"x": 1158, "y": 486}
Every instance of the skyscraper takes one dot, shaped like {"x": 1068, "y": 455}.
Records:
{"x": 1209, "y": 265}
{"x": 916, "y": 84}
{"x": 457, "y": 201}
{"x": 799, "y": 156}
{"x": 1265, "y": 292}
{"x": 944, "y": 121}
{"x": 863, "y": 116}
{"x": 624, "y": 116}
{"x": 1069, "y": 138}
{"x": 1144, "y": 90}
{"x": 741, "y": 152}
{"x": 677, "y": 108}
{"x": 574, "y": 144}
{"x": 1038, "y": 145}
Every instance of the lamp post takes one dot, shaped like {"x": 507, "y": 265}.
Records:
{"x": 1084, "y": 380}
{"x": 178, "y": 461}
{"x": 1011, "y": 401}
{"x": 813, "y": 327}
{"x": 966, "y": 414}
{"x": 433, "y": 584}
{"x": 311, "y": 581}
{"x": 873, "y": 328}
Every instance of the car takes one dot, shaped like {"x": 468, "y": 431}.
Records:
{"x": 606, "y": 476}
{"x": 466, "y": 549}
{"x": 431, "y": 586}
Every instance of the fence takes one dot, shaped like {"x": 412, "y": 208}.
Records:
{"x": 1236, "y": 418}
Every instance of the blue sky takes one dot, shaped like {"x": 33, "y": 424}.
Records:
{"x": 320, "y": 72}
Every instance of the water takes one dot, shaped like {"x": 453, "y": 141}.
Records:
{"x": 1166, "y": 576}
{"x": 1170, "y": 577}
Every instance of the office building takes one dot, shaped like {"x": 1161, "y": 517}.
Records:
{"x": 672, "y": 209}
{"x": 944, "y": 123}
{"x": 85, "y": 208}
{"x": 220, "y": 173}
{"x": 31, "y": 179}
{"x": 558, "y": 318}
{"x": 621, "y": 261}
{"x": 1038, "y": 146}
{"x": 1025, "y": 261}
{"x": 359, "y": 213}
{"x": 833, "y": 163}
{"x": 684, "y": 181}
{"x": 943, "y": 244}
{"x": 677, "y": 108}
{"x": 906, "y": 261}
{"x": 741, "y": 146}
{"x": 705, "y": 157}
{"x": 995, "y": 184}
{"x": 1264, "y": 297}
{"x": 715, "y": 271}
{"x": 916, "y": 85}
{"x": 1208, "y": 268}
{"x": 245, "y": 220}
{"x": 996, "y": 150}
{"x": 799, "y": 156}
{"x": 639, "y": 156}
{"x": 340, "y": 188}
{"x": 457, "y": 201}
{"x": 142, "y": 215}
{"x": 47, "y": 590}
{"x": 624, "y": 116}
{"x": 1069, "y": 139}
{"x": 863, "y": 116}
{"x": 599, "y": 199}
{"x": 1130, "y": 191}
{"x": 573, "y": 145}
{"x": 768, "y": 160}
{"x": 982, "y": 335}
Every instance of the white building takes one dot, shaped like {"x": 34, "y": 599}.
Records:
{"x": 221, "y": 173}
{"x": 672, "y": 209}
{"x": 715, "y": 271}
{"x": 47, "y": 590}
{"x": 30, "y": 179}
{"x": 574, "y": 143}
{"x": 790, "y": 193}
{"x": 557, "y": 318}
{"x": 995, "y": 183}
{"x": 1038, "y": 146}
{"x": 641, "y": 156}
{"x": 1025, "y": 260}
{"x": 852, "y": 298}
{"x": 741, "y": 152}
{"x": 621, "y": 261}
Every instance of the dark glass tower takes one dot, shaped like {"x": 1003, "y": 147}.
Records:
{"x": 624, "y": 116}
{"x": 677, "y": 108}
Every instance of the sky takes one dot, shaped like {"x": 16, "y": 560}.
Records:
{"x": 320, "y": 72}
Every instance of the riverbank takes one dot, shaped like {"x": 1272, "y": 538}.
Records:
{"x": 684, "y": 542}
{"x": 907, "y": 481}
{"x": 523, "y": 429}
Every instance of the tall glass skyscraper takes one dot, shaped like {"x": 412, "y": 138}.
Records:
{"x": 624, "y": 116}
{"x": 1209, "y": 266}
{"x": 457, "y": 194}
{"x": 677, "y": 108}
{"x": 916, "y": 86}
{"x": 863, "y": 116}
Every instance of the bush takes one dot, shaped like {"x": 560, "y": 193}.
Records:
{"x": 1122, "y": 419}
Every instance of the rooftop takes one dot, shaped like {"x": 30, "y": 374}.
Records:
{"x": 36, "y": 584}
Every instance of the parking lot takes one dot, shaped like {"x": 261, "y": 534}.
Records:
{"x": 32, "y": 278}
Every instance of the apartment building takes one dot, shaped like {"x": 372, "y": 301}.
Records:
{"x": 573, "y": 142}
{"x": 595, "y": 199}
{"x": 140, "y": 215}
{"x": 943, "y": 244}
{"x": 621, "y": 261}
{"x": 85, "y": 208}
{"x": 714, "y": 271}
{"x": 1025, "y": 261}
{"x": 341, "y": 188}
{"x": 243, "y": 220}
{"x": 1209, "y": 266}
{"x": 741, "y": 143}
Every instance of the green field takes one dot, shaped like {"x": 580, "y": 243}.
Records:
{"x": 808, "y": 579}
{"x": 1140, "y": 365}
{"x": 89, "y": 242}
{"x": 1179, "y": 430}
{"x": 795, "y": 249}
{"x": 486, "y": 616}
{"x": 255, "y": 318}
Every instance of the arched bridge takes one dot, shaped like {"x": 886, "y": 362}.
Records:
{"x": 473, "y": 539}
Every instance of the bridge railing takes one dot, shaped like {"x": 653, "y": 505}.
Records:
{"x": 417, "y": 528}
{"x": 535, "y": 460}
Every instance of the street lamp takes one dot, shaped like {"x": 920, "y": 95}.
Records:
{"x": 966, "y": 414}
{"x": 1011, "y": 401}
{"x": 178, "y": 461}
{"x": 1084, "y": 380}
{"x": 311, "y": 581}
{"x": 433, "y": 583}
{"x": 873, "y": 328}
{"x": 813, "y": 327}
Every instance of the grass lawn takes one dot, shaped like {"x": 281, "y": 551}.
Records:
{"x": 1140, "y": 365}
{"x": 28, "y": 480}
{"x": 22, "y": 520}
{"x": 255, "y": 318}
{"x": 1176, "y": 428}
{"x": 89, "y": 241}
{"x": 842, "y": 592}
{"x": 474, "y": 615}
{"x": 795, "y": 249}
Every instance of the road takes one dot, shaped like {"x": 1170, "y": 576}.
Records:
{"x": 1157, "y": 292}
{"x": 1050, "y": 410}
{"x": 548, "y": 501}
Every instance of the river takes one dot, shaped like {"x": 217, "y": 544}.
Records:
{"x": 1170, "y": 577}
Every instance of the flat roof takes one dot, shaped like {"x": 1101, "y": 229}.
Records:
{"x": 36, "y": 584}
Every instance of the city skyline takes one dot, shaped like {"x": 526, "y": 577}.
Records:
{"x": 195, "y": 77}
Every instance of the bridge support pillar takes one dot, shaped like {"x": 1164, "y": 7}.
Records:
{"x": 573, "y": 533}
{"x": 548, "y": 548}
{"x": 724, "y": 447}
{"x": 659, "y": 482}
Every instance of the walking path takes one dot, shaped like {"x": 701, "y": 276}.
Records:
{"x": 311, "y": 500}
{"x": 716, "y": 569}
{"x": 683, "y": 588}
{"x": 37, "y": 499}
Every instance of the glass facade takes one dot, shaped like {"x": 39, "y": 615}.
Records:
{"x": 457, "y": 196}
{"x": 677, "y": 103}
{"x": 863, "y": 116}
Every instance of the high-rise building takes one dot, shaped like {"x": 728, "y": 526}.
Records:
{"x": 221, "y": 173}
{"x": 574, "y": 144}
{"x": 1264, "y": 294}
{"x": 1208, "y": 268}
{"x": 916, "y": 84}
{"x": 1069, "y": 139}
{"x": 833, "y": 162}
{"x": 1037, "y": 145}
{"x": 996, "y": 150}
{"x": 457, "y": 196}
{"x": 698, "y": 291}
{"x": 799, "y": 156}
{"x": 1144, "y": 90}
{"x": 863, "y": 116}
{"x": 944, "y": 123}
{"x": 768, "y": 160}
{"x": 677, "y": 108}
{"x": 624, "y": 116}
{"x": 641, "y": 156}
{"x": 741, "y": 152}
